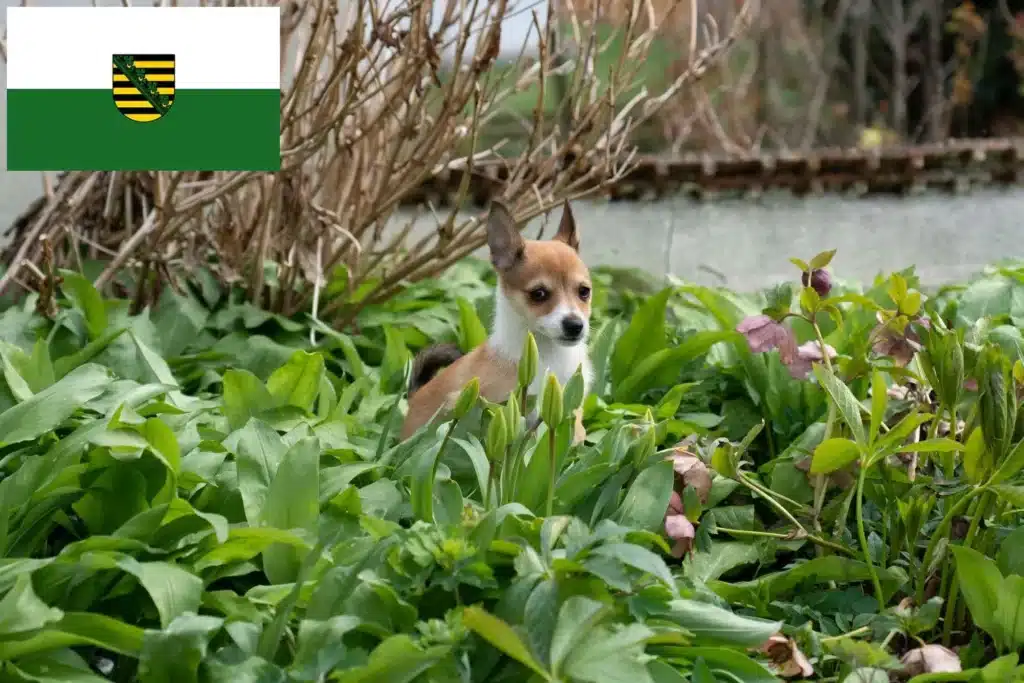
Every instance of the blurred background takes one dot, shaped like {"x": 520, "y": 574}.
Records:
{"x": 805, "y": 75}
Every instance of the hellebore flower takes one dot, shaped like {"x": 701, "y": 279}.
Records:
{"x": 764, "y": 334}
{"x": 787, "y": 659}
{"x": 900, "y": 347}
{"x": 806, "y": 354}
{"x": 819, "y": 280}
{"x": 689, "y": 471}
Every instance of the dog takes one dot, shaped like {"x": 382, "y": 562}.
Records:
{"x": 544, "y": 288}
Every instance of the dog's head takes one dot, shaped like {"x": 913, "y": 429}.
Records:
{"x": 546, "y": 281}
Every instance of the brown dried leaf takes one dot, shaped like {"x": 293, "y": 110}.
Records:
{"x": 930, "y": 659}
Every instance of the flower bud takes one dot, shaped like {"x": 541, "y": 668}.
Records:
{"x": 497, "y": 436}
{"x": 467, "y": 399}
{"x": 551, "y": 402}
{"x": 528, "y": 361}
{"x": 819, "y": 280}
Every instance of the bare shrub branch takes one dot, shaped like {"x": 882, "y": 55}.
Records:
{"x": 376, "y": 99}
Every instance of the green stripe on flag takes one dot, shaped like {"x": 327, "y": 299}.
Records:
{"x": 205, "y": 130}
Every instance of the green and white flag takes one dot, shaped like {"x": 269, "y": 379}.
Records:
{"x": 143, "y": 88}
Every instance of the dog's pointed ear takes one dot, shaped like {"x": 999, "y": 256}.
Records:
{"x": 567, "y": 228}
{"x": 503, "y": 238}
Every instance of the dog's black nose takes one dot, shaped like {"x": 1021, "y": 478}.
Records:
{"x": 572, "y": 327}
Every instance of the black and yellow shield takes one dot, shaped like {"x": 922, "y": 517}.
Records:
{"x": 143, "y": 85}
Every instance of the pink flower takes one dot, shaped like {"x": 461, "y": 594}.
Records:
{"x": 806, "y": 354}
{"x": 764, "y": 334}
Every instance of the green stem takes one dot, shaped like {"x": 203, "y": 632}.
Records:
{"x": 940, "y": 532}
{"x": 786, "y": 513}
{"x": 954, "y": 586}
{"x": 551, "y": 479}
{"x": 879, "y": 595}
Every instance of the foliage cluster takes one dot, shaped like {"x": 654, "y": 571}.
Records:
{"x": 817, "y": 482}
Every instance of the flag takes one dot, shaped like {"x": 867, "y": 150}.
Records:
{"x": 143, "y": 88}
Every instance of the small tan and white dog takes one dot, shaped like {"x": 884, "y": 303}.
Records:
{"x": 544, "y": 288}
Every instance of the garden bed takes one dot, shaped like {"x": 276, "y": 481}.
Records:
{"x": 209, "y": 492}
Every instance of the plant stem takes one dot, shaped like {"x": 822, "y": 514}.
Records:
{"x": 551, "y": 480}
{"x": 879, "y": 594}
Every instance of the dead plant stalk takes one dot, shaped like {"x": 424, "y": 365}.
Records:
{"x": 375, "y": 100}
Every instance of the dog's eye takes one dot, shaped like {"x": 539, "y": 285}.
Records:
{"x": 539, "y": 294}
{"x": 584, "y": 292}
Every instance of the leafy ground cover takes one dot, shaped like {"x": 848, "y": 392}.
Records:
{"x": 817, "y": 482}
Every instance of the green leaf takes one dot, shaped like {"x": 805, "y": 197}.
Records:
{"x": 21, "y": 609}
{"x": 941, "y": 445}
{"x": 611, "y": 656}
{"x": 577, "y": 616}
{"x": 297, "y": 382}
{"x": 396, "y": 660}
{"x": 472, "y": 332}
{"x": 601, "y": 353}
{"x": 846, "y": 403}
{"x": 59, "y": 666}
{"x": 244, "y": 396}
{"x": 713, "y": 625}
{"x": 834, "y": 454}
{"x": 87, "y": 300}
{"x": 174, "y": 654}
{"x": 640, "y": 558}
{"x": 741, "y": 667}
{"x": 648, "y": 497}
{"x": 260, "y": 451}
{"x": 502, "y": 637}
{"x": 644, "y": 336}
{"x": 668, "y": 362}
{"x": 320, "y": 647}
{"x": 292, "y": 503}
{"x": 77, "y": 628}
{"x": 173, "y": 590}
{"x": 821, "y": 260}
{"x": 723, "y": 557}
{"x": 981, "y": 583}
{"x": 45, "y": 411}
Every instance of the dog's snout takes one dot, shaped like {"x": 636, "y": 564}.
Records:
{"x": 572, "y": 327}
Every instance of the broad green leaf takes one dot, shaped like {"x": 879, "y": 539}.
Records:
{"x": 396, "y": 660}
{"x": 77, "y": 628}
{"x": 297, "y": 382}
{"x": 320, "y": 647}
{"x": 981, "y": 584}
{"x": 1010, "y": 612}
{"x": 293, "y": 502}
{"x": 723, "y": 557}
{"x": 834, "y": 454}
{"x": 638, "y": 557}
{"x": 644, "y": 336}
{"x": 818, "y": 570}
{"x": 740, "y": 666}
{"x": 577, "y": 616}
{"x": 713, "y": 625}
{"x": 245, "y": 543}
{"x": 260, "y": 450}
{"x": 601, "y": 353}
{"x": 21, "y": 610}
{"x": 647, "y": 499}
{"x": 174, "y": 654}
{"x": 501, "y": 636}
{"x": 668, "y": 362}
{"x": 1011, "y": 550}
{"x": 87, "y": 300}
{"x": 45, "y": 411}
{"x": 846, "y": 403}
{"x": 59, "y": 666}
{"x": 245, "y": 396}
{"x": 940, "y": 445}
{"x": 173, "y": 590}
{"x": 611, "y": 656}
{"x": 867, "y": 675}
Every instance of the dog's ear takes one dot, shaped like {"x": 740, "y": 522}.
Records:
{"x": 567, "y": 228}
{"x": 503, "y": 238}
